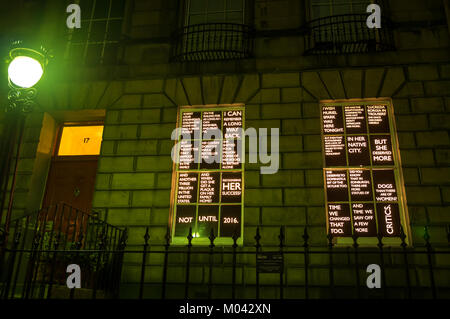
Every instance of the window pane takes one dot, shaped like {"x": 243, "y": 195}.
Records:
{"x": 216, "y": 17}
{"x": 93, "y": 54}
{"x": 235, "y": 17}
{"x": 216, "y": 5}
{"x": 341, "y": 9}
{"x": 98, "y": 30}
{"x": 235, "y": 4}
{"x": 324, "y": 8}
{"x": 197, "y": 19}
{"x": 76, "y": 52}
{"x": 80, "y": 35}
{"x": 86, "y": 8}
{"x": 80, "y": 140}
{"x": 197, "y": 6}
{"x": 110, "y": 53}
{"x": 321, "y": 11}
{"x": 101, "y": 9}
{"x": 360, "y": 8}
{"x": 117, "y": 9}
{"x": 114, "y": 30}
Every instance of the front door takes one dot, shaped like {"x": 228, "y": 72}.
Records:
{"x": 71, "y": 180}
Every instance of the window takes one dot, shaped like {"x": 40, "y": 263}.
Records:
{"x": 209, "y": 175}
{"x": 80, "y": 140}
{"x": 213, "y": 30}
{"x": 325, "y": 8}
{"x": 214, "y": 11}
{"x": 340, "y": 27}
{"x": 362, "y": 172}
{"x": 97, "y": 41}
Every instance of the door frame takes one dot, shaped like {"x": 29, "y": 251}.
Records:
{"x": 72, "y": 158}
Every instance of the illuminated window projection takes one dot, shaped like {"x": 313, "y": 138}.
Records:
{"x": 209, "y": 194}
{"x": 362, "y": 173}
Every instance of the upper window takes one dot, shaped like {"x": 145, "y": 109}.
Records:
{"x": 97, "y": 41}
{"x": 214, "y": 11}
{"x": 363, "y": 180}
{"x": 213, "y": 30}
{"x": 325, "y": 8}
{"x": 340, "y": 27}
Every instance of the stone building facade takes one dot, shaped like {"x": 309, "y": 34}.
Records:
{"x": 139, "y": 96}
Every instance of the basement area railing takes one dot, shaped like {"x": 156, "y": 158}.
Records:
{"x": 156, "y": 270}
{"x": 40, "y": 246}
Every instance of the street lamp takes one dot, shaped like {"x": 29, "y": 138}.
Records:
{"x": 24, "y": 71}
{"x": 26, "y": 66}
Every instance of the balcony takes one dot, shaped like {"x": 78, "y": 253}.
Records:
{"x": 347, "y": 34}
{"x": 213, "y": 41}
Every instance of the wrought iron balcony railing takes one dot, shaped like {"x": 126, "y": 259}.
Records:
{"x": 346, "y": 34}
{"x": 213, "y": 41}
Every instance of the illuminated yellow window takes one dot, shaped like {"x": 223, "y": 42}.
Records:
{"x": 80, "y": 140}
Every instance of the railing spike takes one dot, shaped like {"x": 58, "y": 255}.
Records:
{"x": 235, "y": 237}
{"x": 211, "y": 238}
{"x": 17, "y": 237}
{"x": 146, "y": 237}
{"x": 305, "y": 237}
{"x": 2, "y": 237}
{"x": 80, "y": 239}
{"x": 257, "y": 238}
{"x": 402, "y": 237}
{"x": 426, "y": 235}
{"x": 355, "y": 240}
{"x": 36, "y": 240}
{"x": 189, "y": 237}
{"x": 380, "y": 241}
{"x": 124, "y": 238}
{"x": 330, "y": 239}
{"x": 167, "y": 237}
{"x": 281, "y": 236}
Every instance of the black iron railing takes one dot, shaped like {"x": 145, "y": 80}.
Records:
{"x": 40, "y": 246}
{"x": 236, "y": 271}
{"x": 346, "y": 34}
{"x": 213, "y": 41}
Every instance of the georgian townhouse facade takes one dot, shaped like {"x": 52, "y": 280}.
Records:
{"x": 362, "y": 117}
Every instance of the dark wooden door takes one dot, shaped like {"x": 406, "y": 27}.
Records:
{"x": 71, "y": 182}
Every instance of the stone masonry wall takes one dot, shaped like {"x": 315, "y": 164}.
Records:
{"x": 134, "y": 176}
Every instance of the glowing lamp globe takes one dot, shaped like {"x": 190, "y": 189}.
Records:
{"x": 24, "y": 71}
